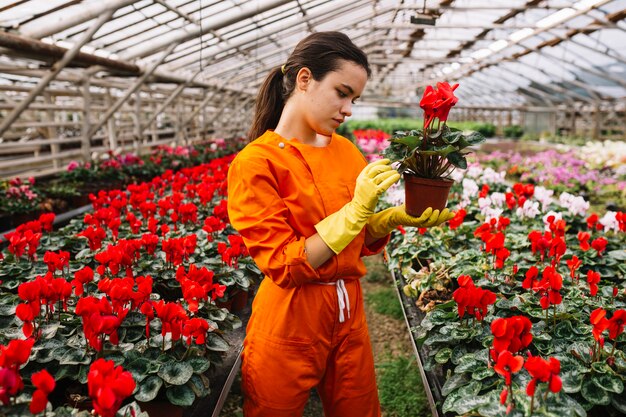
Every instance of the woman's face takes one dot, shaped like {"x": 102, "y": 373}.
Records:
{"x": 327, "y": 103}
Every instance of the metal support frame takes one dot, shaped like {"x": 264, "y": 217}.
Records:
{"x": 85, "y": 145}
{"x": 131, "y": 90}
{"x": 177, "y": 11}
{"x": 72, "y": 16}
{"x": 246, "y": 11}
{"x": 43, "y": 82}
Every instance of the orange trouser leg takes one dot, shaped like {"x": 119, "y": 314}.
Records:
{"x": 348, "y": 388}
{"x": 277, "y": 376}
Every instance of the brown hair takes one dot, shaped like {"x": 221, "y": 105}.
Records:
{"x": 320, "y": 52}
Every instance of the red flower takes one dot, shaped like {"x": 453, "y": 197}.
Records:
{"x": 172, "y": 317}
{"x": 108, "y": 386}
{"x": 542, "y": 370}
{"x": 592, "y": 222}
{"x": 550, "y": 286}
{"x": 616, "y": 324}
{"x": 484, "y": 191}
{"x": 197, "y": 329}
{"x": 583, "y": 239}
{"x": 95, "y": 236}
{"x": 512, "y": 334}
{"x": 457, "y": 220}
{"x": 599, "y": 245}
{"x": 82, "y": 277}
{"x": 44, "y": 382}
{"x": 12, "y": 357}
{"x": 573, "y": 264}
{"x": 46, "y": 221}
{"x": 593, "y": 278}
{"x": 472, "y": 300}
{"x": 600, "y": 324}
{"x": 531, "y": 278}
{"x": 508, "y": 364}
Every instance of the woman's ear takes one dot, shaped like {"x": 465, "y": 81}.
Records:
{"x": 303, "y": 78}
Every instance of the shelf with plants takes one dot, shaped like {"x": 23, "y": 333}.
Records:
{"x": 522, "y": 293}
{"x": 24, "y": 199}
{"x": 135, "y": 283}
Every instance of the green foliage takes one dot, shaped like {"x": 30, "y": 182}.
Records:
{"x": 400, "y": 388}
{"x": 385, "y": 301}
{"x": 431, "y": 154}
{"x": 513, "y": 131}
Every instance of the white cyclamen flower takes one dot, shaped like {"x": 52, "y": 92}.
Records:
{"x": 492, "y": 177}
{"x": 576, "y": 205}
{"x": 529, "y": 210}
{"x": 609, "y": 221}
{"x": 491, "y": 213}
{"x": 544, "y": 196}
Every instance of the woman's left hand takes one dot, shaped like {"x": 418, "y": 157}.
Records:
{"x": 382, "y": 223}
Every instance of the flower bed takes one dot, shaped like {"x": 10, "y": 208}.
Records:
{"x": 524, "y": 300}
{"x": 596, "y": 171}
{"x": 133, "y": 284}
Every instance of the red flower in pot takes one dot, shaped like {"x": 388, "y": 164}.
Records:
{"x": 428, "y": 156}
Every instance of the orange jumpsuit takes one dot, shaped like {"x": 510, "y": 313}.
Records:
{"x": 299, "y": 337}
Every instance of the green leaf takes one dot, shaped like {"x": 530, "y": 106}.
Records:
{"x": 608, "y": 382}
{"x": 216, "y": 343}
{"x": 199, "y": 364}
{"x": 140, "y": 368}
{"x": 410, "y": 142}
{"x": 71, "y": 356}
{"x": 619, "y": 255}
{"x": 443, "y": 355}
{"x": 455, "y": 381}
{"x": 199, "y": 387}
{"x": 466, "y": 404}
{"x": 67, "y": 371}
{"x": 181, "y": 395}
{"x": 482, "y": 374}
{"x": 572, "y": 381}
{"x": 594, "y": 394}
{"x": 458, "y": 160}
{"x": 149, "y": 389}
{"x": 175, "y": 373}
{"x": 467, "y": 391}
{"x": 468, "y": 363}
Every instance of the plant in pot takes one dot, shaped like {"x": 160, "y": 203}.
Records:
{"x": 426, "y": 157}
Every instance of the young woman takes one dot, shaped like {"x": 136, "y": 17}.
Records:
{"x": 303, "y": 199}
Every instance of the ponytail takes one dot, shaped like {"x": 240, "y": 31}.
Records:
{"x": 269, "y": 104}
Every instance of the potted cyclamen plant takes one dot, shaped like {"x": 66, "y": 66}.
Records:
{"x": 426, "y": 157}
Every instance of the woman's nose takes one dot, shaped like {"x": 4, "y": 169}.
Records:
{"x": 346, "y": 109}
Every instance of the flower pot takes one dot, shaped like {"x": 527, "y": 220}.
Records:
{"x": 421, "y": 193}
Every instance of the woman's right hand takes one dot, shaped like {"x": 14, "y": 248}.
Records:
{"x": 374, "y": 180}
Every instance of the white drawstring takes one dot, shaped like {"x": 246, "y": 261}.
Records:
{"x": 342, "y": 297}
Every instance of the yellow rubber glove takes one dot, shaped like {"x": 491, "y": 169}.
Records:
{"x": 383, "y": 222}
{"x": 340, "y": 228}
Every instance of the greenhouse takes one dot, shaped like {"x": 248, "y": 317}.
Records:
{"x": 313, "y": 208}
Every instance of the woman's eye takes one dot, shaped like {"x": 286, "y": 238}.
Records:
{"x": 342, "y": 94}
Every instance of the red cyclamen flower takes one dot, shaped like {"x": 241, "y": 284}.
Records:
{"x": 44, "y": 382}
{"x": 108, "y": 386}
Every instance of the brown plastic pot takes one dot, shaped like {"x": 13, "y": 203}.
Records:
{"x": 421, "y": 193}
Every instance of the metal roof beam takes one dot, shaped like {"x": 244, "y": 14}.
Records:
{"x": 225, "y": 19}
{"x": 64, "y": 19}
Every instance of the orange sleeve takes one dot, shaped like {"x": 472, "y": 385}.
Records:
{"x": 257, "y": 212}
